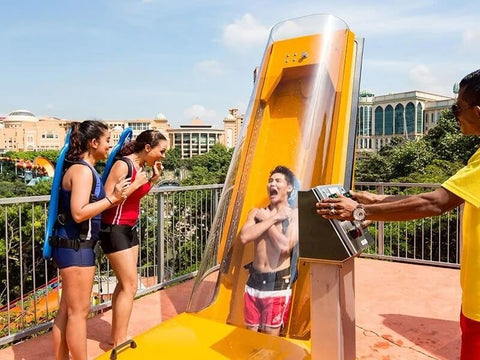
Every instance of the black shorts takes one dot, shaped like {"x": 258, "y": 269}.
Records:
{"x": 115, "y": 238}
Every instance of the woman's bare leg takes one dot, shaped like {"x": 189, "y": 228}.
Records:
{"x": 124, "y": 264}
{"x": 58, "y": 332}
{"x": 76, "y": 291}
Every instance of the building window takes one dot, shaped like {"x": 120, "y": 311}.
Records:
{"x": 211, "y": 139}
{"x": 139, "y": 126}
{"x": 229, "y": 138}
{"x": 178, "y": 139}
{"x": 369, "y": 120}
{"x": 379, "y": 121}
{"x": 399, "y": 119}
{"x": 389, "y": 120}
{"x": 410, "y": 118}
{"x": 419, "y": 116}
{"x": 360, "y": 122}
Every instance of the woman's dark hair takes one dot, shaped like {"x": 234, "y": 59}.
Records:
{"x": 471, "y": 85}
{"x": 82, "y": 133}
{"x": 150, "y": 137}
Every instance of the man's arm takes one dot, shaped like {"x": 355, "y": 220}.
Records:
{"x": 253, "y": 228}
{"x": 392, "y": 208}
{"x": 281, "y": 241}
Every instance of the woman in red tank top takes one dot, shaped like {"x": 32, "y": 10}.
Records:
{"x": 118, "y": 232}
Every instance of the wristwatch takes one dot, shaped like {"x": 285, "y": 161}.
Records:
{"x": 359, "y": 213}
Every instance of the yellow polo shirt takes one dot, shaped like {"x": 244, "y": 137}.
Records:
{"x": 466, "y": 184}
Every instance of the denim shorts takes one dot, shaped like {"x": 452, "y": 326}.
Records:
{"x": 65, "y": 257}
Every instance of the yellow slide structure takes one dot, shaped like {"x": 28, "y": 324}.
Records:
{"x": 301, "y": 116}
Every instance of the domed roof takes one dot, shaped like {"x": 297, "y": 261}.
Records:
{"x": 160, "y": 116}
{"x": 229, "y": 117}
{"x": 21, "y": 115}
{"x": 366, "y": 93}
{"x": 196, "y": 121}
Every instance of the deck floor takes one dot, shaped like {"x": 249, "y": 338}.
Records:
{"x": 403, "y": 311}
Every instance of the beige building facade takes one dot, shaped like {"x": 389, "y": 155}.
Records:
{"x": 379, "y": 118}
{"x": 408, "y": 114}
{"x": 21, "y": 130}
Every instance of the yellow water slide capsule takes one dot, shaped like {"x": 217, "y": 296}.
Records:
{"x": 301, "y": 117}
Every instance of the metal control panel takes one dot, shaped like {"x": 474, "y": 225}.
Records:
{"x": 327, "y": 240}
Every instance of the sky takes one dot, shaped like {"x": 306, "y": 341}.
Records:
{"x": 135, "y": 59}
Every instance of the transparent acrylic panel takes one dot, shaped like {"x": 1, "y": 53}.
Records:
{"x": 299, "y": 117}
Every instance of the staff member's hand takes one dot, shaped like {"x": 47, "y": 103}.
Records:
{"x": 364, "y": 197}
{"x": 340, "y": 208}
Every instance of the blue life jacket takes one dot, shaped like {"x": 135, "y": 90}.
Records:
{"x": 87, "y": 230}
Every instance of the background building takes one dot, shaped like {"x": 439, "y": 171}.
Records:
{"x": 195, "y": 138}
{"x": 407, "y": 114}
{"x": 232, "y": 125}
{"x": 379, "y": 119}
{"x": 21, "y": 130}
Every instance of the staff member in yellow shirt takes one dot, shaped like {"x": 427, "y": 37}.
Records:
{"x": 463, "y": 187}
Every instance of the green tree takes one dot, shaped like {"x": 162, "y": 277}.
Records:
{"x": 448, "y": 143}
{"x": 210, "y": 168}
{"x": 173, "y": 159}
{"x": 43, "y": 187}
{"x": 434, "y": 158}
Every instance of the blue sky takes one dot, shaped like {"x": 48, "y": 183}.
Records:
{"x": 130, "y": 59}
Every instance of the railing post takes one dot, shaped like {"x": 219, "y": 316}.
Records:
{"x": 161, "y": 240}
{"x": 381, "y": 226}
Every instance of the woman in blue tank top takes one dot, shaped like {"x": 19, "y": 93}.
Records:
{"x": 76, "y": 233}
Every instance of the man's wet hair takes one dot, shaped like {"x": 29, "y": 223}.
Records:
{"x": 471, "y": 88}
{"x": 289, "y": 176}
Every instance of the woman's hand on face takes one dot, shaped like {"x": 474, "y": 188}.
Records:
{"x": 157, "y": 169}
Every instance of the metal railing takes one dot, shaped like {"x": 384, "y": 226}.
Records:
{"x": 433, "y": 241}
{"x": 173, "y": 229}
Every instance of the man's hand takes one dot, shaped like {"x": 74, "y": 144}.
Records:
{"x": 340, "y": 208}
{"x": 261, "y": 215}
{"x": 283, "y": 214}
{"x": 364, "y": 197}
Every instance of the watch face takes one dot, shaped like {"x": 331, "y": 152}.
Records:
{"x": 359, "y": 214}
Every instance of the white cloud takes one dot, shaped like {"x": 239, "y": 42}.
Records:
{"x": 194, "y": 111}
{"x": 471, "y": 39}
{"x": 428, "y": 78}
{"x": 421, "y": 74}
{"x": 208, "y": 68}
{"x": 245, "y": 32}
{"x": 436, "y": 77}
{"x": 391, "y": 65}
